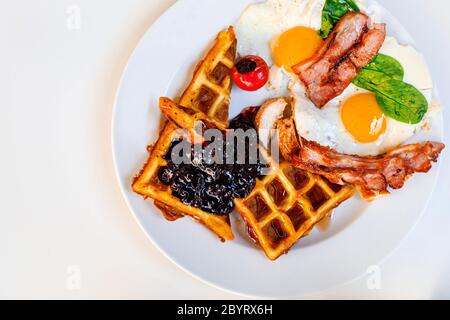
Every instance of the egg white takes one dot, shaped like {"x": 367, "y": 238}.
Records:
{"x": 413, "y": 62}
{"x": 260, "y": 24}
{"x": 325, "y": 126}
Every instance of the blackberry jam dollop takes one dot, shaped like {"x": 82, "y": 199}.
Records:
{"x": 213, "y": 187}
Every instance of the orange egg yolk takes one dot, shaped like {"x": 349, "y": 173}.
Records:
{"x": 295, "y": 45}
{"x": 363, "y": 117}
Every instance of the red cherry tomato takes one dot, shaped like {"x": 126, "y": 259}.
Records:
{"x": 250, "y": 73}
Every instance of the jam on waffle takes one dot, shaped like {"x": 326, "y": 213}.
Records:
{"x": 149, "y": 185}
{"x": 207, "y": 98}
{"x": 204, "y": 183}
{"x": 287, "y": 203}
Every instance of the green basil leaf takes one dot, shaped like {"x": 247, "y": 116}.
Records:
{"x": 332, "y": 12}
{"x": 401, "y": 101}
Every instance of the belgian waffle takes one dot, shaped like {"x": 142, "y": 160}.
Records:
{"x": 148, "y": 185}
{"x": 207, "y": 97}
{"x": 286, "y": 204}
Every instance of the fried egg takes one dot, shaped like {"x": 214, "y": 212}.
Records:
{"x": 284, "y": 33}
{"x": 354, "y": 123}
{"x": 262, "y": 24}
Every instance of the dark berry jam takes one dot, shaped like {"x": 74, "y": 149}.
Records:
{"x": 213, "y": 187}
{"x": 245, "y": 120}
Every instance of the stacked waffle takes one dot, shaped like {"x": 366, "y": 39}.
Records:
{"x": 206, "y": 99}
{"x": 284, "y": 205}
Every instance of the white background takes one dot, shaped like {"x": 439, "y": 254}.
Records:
{"x": 61, "y": 209}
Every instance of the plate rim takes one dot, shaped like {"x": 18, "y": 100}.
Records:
{"x": 437, "y": 167}
{"x": 117, "y": 173}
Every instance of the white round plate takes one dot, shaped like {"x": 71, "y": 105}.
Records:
{"x": 360, "y": 235}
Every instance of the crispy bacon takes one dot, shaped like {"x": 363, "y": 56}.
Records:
{"x": 373, "y": 175}
{"x": 349, "y": 48}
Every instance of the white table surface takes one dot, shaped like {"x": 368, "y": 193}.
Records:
{"x": 65, "y": 231}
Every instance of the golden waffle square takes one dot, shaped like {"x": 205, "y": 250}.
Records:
{"x": 285, "y": 206}
{"x": 207, "y": 98}
{"x": 148, "y": 185}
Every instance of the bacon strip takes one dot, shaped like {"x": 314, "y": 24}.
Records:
{"x": 349, "y": 48}
{"x": 372, "y": 174}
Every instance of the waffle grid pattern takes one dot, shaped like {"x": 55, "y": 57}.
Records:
{"x": 286, "y": 204}
{"x": 208, "y": 96}
{"x": 148, "y": 185}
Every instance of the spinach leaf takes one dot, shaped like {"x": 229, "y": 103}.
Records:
{"x": 383, "y": 76}
{"x": 401, "y": 101}
{"x": 398, "y": 100}
{"x": 381, "y": 69}
{"x": 332, "y": 12}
